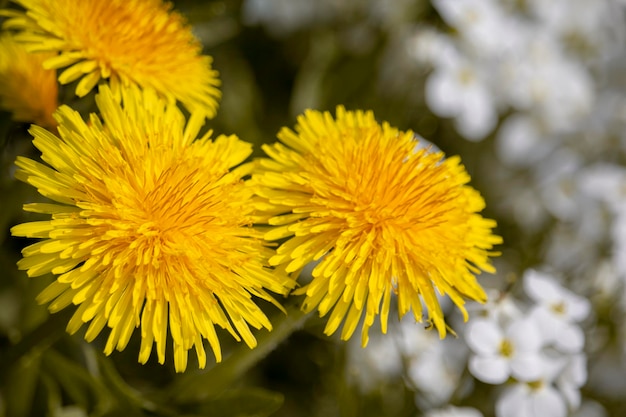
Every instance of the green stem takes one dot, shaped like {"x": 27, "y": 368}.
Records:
{"x": 196, "y": 386}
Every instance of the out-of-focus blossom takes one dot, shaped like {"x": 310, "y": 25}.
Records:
{"x": 138, "y": 42}
{"x": 457, "y": 89}
{"x": 537, "y": 399}
{"x": 500, "y": 307}
{"x": 557, "y": 311}
{"x": 27, "y": 90}
{"x": 477, "y": 21}
{"x": 434, "y": 366}
{"x": 557, "y": 182}
{"x": 500, "y": 353}
{"x": 521, "y": 140}
{"x": 381, "y": 360}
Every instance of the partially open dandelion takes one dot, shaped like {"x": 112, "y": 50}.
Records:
{"x": 384, "y": 216}
{"x": 138, "y": 42}
{"x": 148, "y": 228}
{"x": 27, "y": 90}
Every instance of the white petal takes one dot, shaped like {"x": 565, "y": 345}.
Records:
{"x": 527, "y": 367}
{"x": 575, "y": 372}
{"x": 541, "y": 287}
{"x": 578, "y": 308}
{"x": 525, "y": 335}
{"x": 492, "y": 370}
{"x": 570, "y": 338}
{"x": 442, "y": 93}
{"x": 571, "y": 395}
{"x": 478, "y": 116}
{"x": 548, "y": 402}
{"x": 514, "y": 402}
{"x": 484, "y": 336}
{"x": 549, "y": 325}
{"x": 519, "y": 142}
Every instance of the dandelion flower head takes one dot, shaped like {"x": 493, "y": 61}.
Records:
{"x": 382, "y": 215}
{"x": 149, "y": 228}
{"x": 27, "y": 90}
{"x": 127, "y": 42}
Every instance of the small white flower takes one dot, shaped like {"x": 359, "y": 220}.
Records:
{"x": 559, "y": 183}
{"x": 538, "y": 399}
{"x": 498, "y": 353}
{"x": 477, "y": 21}
{"x": 428, "y": 46}
{"x": 456, "y": 88}
{"x": 435, "y": 366}
{"x": 500, "y": 307}
{"x": 380, "y": 360}
{"x": 521, "y": 141}
{"x": 557, "y": 311}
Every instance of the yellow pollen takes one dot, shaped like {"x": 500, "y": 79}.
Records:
{"x": 506, "y": 348}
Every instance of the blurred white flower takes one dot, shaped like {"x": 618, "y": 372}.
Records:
{"x": 588, "y": 27}
{"x": 281, "y": 17}
{"x": 500, "y": 308}
{"x": 499, "y": 354}
{"x": 456, "y": 88}
{"x": 557, "y": 311}
{"x": 428, "y": 46}
{"x": 380, "y": 361}
{"x": 451, "y": 411}
{"x": 537, "y": 399}
{"x": 521, "y": 141}
{"x": 572, "y": 377}
{"x": 434, "y": 366}
{"x": 558, "y": 183}
{"x": 605, "y": 182}
{"x": 477, "y": 21}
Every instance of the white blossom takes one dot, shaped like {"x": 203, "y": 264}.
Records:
{"x": 457, "y": 88}
{"x": 500, "y": 353}
{"x": 557, "y": 311}
{"x": 531, "y": 400}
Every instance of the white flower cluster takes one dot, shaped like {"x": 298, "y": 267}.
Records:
{"x": 543, "y": 82}
{"x": 537, "y": 349}
{"x": 532, "y": 350}
{"x": 537, "y": 62}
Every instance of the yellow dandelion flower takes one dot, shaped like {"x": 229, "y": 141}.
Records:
{"x": 148, "y": 228}
{"x": 382, "y": 216}
{"x": 138, "y": 42}
{"x": 27, "y": 90}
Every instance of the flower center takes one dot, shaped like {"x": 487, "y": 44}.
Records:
{"x": 559, "y": 308}
{"x": 506, "y": 348}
